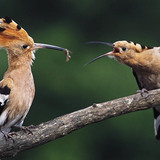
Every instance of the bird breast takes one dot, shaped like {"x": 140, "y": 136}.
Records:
{"x": 23, "y": 90}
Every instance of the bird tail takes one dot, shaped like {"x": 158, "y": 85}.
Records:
{"x": 156, "y": 112}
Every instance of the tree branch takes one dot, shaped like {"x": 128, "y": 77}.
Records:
{"x": 63, "y": 125}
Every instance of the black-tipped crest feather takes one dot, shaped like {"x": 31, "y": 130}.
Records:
{"x": 7, "y": 19}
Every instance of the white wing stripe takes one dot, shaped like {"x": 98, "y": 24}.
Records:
{"x": 3, "y": 98}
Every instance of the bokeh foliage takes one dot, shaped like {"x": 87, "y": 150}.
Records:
{"x": 65, "y": 87}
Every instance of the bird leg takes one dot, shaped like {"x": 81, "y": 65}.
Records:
{"x": 142, "y": 91}
{"x": 10, "y": 134}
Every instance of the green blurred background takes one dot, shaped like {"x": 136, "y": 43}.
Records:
{"x": 65, "y": 87}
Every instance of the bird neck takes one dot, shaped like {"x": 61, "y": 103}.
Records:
{"x": 19, "y": 66}
{"x": 16, "y": 61}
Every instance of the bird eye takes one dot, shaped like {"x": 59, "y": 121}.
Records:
{"x": 25, "y": 46}
{"x": 123, "y": 48}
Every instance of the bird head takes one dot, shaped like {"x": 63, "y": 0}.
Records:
{"x": 17, "y": 41}
{"x": 126, "y": 52}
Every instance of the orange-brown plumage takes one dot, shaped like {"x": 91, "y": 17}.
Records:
{"x": 17, "y": 88}
{"x": 12, "y": 34}
{"x": 145, "y": 64}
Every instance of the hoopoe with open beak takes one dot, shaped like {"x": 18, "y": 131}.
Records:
{"x": 17, "y": 88}
{"x": 145, "y": 64}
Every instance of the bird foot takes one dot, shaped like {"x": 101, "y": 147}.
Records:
{"x": 143, "y": 91}
{"x": 26, "y": 129}
{"x": 8, "y": 136}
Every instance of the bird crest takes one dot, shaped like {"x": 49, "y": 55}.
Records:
{"x": 132, "y": 45}
{"x": 9, "y": 30}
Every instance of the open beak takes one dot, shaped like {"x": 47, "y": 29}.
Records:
{"x": 103, "y": 55}
{"x": 40, "y": 45}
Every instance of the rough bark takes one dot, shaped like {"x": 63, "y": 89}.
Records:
{"x": 63, "y": 125}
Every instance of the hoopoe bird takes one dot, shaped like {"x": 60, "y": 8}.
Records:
{"x": 17, "y": 87}
{"x": 145, "y": 64}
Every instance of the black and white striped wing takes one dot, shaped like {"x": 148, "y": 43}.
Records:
{"x": 4, "y": 94}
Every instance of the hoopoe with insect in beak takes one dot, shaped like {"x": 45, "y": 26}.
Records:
{"x": 145, "y": 64}
{"x": 17, "y": 88}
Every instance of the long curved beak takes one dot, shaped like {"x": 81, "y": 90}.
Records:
{"x": 103, "y": 55}
{"x": 97, "y": 42}
{"x": 40, "y": 45}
